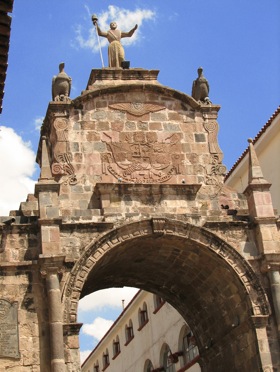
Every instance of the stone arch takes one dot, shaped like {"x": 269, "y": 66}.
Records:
{"x": 211, "y": 285}
{"x": 162, "y": 227}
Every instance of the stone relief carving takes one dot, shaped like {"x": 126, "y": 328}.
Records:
{"x": 158, "y": 225}
{"x": 62, "y": 156}
{"x": 9, "y": 339}
{"x": 140, "y": 157}
{"x": 137, "y": 108}
{"x": 215, "y": 169}
{"x": 212, "y": 128}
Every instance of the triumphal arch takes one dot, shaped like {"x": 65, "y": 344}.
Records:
{"x": 131, "y": 192}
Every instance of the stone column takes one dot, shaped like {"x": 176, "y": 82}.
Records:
{"x": 50, "y": 271}
{"x": 274, "y": 277}
{"x": 260, "y": 323}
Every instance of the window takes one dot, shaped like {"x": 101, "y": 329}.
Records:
{"x": 148, "y": 366}
{"x": 167, "y": 361}
{"x": 96, "y": 367}
{"x": 189, "y": 347}
{"x": 106, "y": 360}
{"x": 143, "y": 316}
{"x": 158, "y": 302}
{"x": 129, "y": 332}
{"x": 116, "y": 347}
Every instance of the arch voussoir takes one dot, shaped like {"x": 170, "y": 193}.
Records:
{"x": 128, "y": 233}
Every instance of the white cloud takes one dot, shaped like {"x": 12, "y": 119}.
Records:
{"x": 38, "y": 122}
{"x": 17, "y": 165}
{"x": 126, "y": 20}
{"x": 97, "y": 328}
{"x": 84, "y": 354}
{"x": 111, "y": 297}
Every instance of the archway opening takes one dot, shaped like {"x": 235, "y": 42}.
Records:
{"x": 197, "y": 282}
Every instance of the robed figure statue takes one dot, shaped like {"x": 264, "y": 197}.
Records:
{"x": 114, "y": 36}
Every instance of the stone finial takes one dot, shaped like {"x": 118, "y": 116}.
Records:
{"x": 61, "y": 85}
{"x": 255, "y": 171}
{"x": 46, "y": 173}
{"x": 200, "y": 88}
{"x": 257, "y": 192}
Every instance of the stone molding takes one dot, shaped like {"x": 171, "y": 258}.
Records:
{"x": 199, "y": 235}
{"x": 139, "y": 85}
{"x": 51, "y": 264}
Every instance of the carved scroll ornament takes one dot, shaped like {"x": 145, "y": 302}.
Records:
{"x": 62, "y": 156}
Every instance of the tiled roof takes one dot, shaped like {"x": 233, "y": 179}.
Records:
{"x": 6, "y": 6}
{"x": 260, "y": 133}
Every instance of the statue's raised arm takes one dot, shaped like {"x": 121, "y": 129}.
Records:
{"x": 130, "y": 33}
{"x": 115, "y": 49}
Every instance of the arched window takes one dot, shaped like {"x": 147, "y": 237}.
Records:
{"x": 158, "y": 303}
{"x": 187, "y": 344}
{"x": 129, "y": 334}
{"x": 106, "y": 360}
{"x": 96, "y": 367}
{"x": 116, "y": 347}
{"x": 148, "y": 366}
{"x": 166, "y": 359}
{"x": 190, "y": 348}
{"x": 143, "y": 316}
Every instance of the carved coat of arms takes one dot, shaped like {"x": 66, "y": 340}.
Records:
{"x": 141, "y": 158}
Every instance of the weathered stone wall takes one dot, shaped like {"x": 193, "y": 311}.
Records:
{"x": 113, "y": 146}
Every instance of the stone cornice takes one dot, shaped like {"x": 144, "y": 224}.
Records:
{"x": 46, "y": 186}
{"x": 17, "y": 264}
{"x": 51, "y": 264}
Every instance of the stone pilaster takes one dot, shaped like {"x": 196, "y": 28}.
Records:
{"x": 274, "y": 277}
{"x": 266, "y": 232}
{"x": 47, "y": 190}
{"x": 260, "y": 323}
{"x": 260, "y": 206}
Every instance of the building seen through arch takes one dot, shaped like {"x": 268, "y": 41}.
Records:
{"x": 162, "y": 341}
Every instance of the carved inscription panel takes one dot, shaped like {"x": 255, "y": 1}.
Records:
{"x": 9, "y": 340}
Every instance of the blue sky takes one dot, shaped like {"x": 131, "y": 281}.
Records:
{"x": 236, "y": 42}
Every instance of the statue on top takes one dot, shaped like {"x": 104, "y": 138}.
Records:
{"x": 200, "y": 88}
{"x": 61, "y": 85}
{"x": 115, "y": 49}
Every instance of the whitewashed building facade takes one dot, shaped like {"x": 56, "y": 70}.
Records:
{"x": 149, "y": 335}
